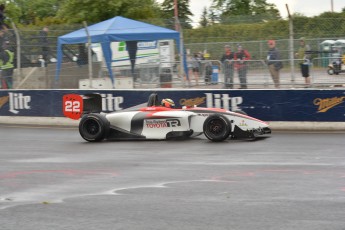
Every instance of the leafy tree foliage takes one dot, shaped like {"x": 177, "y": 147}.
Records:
{"x": 204, "y": 18}
{"x": 27, "y": 12}
{"x": 252, "y": 18}
{"x": 184, "y": 13}
{"x": 76, "y": 11}
{"x": 230, "y": 10}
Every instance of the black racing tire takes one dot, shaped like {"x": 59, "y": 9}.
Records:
{"x": 217, "y": 128}
{"x": 93, "y": 127}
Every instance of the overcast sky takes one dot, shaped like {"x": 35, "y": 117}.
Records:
{"x": 306, "y": 7}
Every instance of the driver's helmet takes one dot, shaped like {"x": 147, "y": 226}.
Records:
{"x": 168, "y": 103}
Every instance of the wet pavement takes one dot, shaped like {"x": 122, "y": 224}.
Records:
{"x": 50, "y": 178}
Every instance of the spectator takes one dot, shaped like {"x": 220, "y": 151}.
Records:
{"x": 200, "y": 58}
{"x": 304, "y": 58}
{"x": 83, "y": 58}
{"x": 45, "y": 44}
{"x": 228, "y": 67}
{"x": 7, "y": 66}
{"x": 208, "y": 69}
{"x": 241, "y": 56}
{"x": 8, "y": 38}
{"x": 194, "y": 67}
{"x": 274, "y": 63}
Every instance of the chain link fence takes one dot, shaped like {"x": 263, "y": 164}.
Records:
{"x": 35, "y": 67}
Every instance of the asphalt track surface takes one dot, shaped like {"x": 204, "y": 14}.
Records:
{"x": 50, "y": 178}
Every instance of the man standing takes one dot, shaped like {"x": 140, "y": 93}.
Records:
{"x": 45, "y": 44}
{"x": 241, "y": 56}
{"x": 274, "y": 63}
{"x": 304, "y": 57}
{"x": 228, "y": 67}
{"x": 7, "y": 66}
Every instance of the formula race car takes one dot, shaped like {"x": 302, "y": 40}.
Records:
{"x": 156, "y": 122}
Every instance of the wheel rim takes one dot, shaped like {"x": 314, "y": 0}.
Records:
{"x": 216, "y": 127}
{"x": 91, "y": 127}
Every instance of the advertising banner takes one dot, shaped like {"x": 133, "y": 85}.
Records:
{"x": 267, "y": 105}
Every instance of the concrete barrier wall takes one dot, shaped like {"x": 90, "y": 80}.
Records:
{"x": 307, "y": 105}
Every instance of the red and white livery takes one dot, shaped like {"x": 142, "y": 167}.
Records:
{"x": 155, "y": 122}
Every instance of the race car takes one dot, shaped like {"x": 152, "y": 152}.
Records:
{"x": 156, "y": 122}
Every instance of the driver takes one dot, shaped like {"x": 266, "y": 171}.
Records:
{"x": 168, "y": 103}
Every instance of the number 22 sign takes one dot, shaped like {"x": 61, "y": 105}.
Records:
{"x": 72, "y": 106}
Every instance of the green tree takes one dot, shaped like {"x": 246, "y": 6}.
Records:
{"x": 247, "y": 9}
{"x": 27, "y": 12}
{"x": 208, "y": 17}
{"x": 184, "y": 13}
{"x": 76, "y": 11}
{"x": 204, "y": 18}
{"x": 213, "y": 16}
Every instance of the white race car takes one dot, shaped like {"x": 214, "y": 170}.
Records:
{"x": 155, "y": 122}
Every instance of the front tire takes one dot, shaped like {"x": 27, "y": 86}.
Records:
{"x": 93, "y": 127}
{"x": 217, "y": 128}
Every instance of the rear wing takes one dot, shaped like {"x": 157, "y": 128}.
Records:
{"x": 74, "y": 105}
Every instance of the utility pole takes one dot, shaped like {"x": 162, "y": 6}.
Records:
{"x": 291, "y": 48}
{"x": 181, "y": 47}
{"x": 177, "y": 27}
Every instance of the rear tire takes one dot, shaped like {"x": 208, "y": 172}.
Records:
{"x": 93, "y": 127}
{"x": 217, "y": 128}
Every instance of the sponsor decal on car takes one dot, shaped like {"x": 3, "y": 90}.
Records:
{"x": 203, "y": 114}
{"x": 243, "y": 123}
{"x": 72, "y": 106}
{"x": 162, "y": 123}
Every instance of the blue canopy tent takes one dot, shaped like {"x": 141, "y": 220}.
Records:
{"x": 115, "y": 29}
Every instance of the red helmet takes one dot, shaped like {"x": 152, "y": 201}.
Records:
{"x": 168, "y": 103}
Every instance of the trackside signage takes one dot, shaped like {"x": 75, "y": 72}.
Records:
{"x": 267, "y": 105}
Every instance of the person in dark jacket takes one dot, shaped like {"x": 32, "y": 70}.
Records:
{"x": 228, "y": 67}
{"x": 274, "y": 62}
{"x": 241, "y": 57}
{"x": 43, "y": 35}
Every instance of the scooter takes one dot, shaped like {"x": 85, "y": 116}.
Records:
{"x": 336, "y": 67}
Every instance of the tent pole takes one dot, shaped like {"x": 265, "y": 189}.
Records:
{"x": 89, "y": 54}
